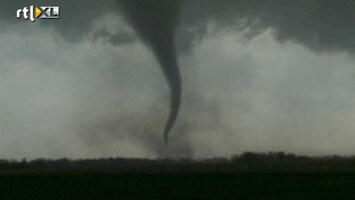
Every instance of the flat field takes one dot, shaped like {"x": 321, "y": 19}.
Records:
{"x": 288, "y": 186}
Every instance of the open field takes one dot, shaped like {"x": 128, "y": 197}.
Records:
{"x": 248, "y": 176}
{"x": 182, "y": 186}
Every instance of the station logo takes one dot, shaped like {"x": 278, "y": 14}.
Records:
{"x": 38, "y": 12}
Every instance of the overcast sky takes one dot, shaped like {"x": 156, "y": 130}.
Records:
{"x": 257, "y": 76}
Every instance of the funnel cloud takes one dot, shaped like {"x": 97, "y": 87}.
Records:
{"x": 155, "y": 21}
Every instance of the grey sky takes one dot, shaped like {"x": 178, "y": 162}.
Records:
{"x": 258, "y": 76}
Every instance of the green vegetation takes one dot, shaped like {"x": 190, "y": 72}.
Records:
{"x": 182, "y": 186}
{"x": 248, "y": 176}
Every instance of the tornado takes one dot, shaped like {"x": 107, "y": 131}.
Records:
{"x": 155, "y": 22}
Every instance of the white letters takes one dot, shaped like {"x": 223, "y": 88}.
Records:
{"x": 18, "y": 13}
{"x": 25, "y": 12}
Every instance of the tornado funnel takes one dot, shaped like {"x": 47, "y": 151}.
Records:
{"x": 155, "y": 22}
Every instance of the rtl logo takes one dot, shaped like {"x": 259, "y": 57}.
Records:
{"x": 41, "y": 12}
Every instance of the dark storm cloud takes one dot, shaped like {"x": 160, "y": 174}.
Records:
{"x": 321, "y": 25}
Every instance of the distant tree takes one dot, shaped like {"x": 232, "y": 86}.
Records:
{"x": 24, "y": 160}
{"x": 235, "y": 158}
{"x": 249, "y": 157}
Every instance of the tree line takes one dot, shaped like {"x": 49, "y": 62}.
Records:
{"x": 246, "y": 162}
